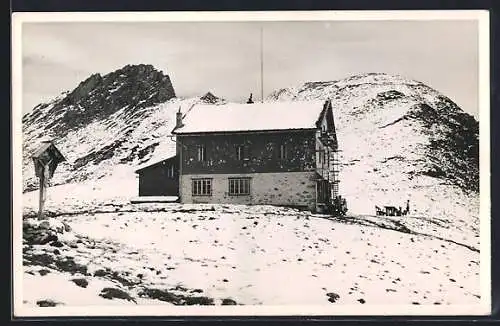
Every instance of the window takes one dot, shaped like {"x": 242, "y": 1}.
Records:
{"x": 201, "y": 155}
{"x": 243, "y": 152}
{"x": 240, "y": 152}
{"x": 239, "y": 186}
{"x": 202, "y": 187}
{"x": 282, "y": 151}
{"x": 171, "y": 171}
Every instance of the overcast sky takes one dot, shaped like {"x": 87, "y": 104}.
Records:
{"x": 224, "y": 58}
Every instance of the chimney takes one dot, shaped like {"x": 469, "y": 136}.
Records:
{"x": 178, "y": 117}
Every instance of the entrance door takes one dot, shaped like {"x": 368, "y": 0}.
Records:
{"x": 323, "y": 193}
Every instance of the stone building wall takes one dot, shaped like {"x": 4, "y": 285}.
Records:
{"x": 296, "y": 189}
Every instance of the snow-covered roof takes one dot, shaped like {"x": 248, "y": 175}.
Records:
{"x": 42, "y": 148}
{"x": 153, "y": 162}
{"x": 46, "y": 144}
{"x": 251, "y": 117}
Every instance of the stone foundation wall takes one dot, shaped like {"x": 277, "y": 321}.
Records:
{"x": 284, "y": 189}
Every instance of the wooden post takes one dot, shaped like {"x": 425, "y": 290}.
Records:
{"x": 44, "y": 176}
{"x": 45, "y": 159}
{"x": 41, "y": 197}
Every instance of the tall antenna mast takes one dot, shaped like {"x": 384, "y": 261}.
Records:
{"x": 261, "y": 64}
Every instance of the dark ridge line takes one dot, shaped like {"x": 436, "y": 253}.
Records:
{"x": 392, "y": 123}
{"x": 399, "y": 227}
{"x": 90, "y": 211}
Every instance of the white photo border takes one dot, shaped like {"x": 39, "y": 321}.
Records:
{"x": 482, "y": 16}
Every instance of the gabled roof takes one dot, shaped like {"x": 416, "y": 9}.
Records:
{"x": 39, "y": 151}
{"x": 153, "y": 163}
{"x": 236, "y": 117}
{"x": 48, "y": 145}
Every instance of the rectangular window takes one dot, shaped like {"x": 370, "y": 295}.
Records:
{"x": 240, "y": 152}
{"x": 239, "y": 186}
{"x": 283, "y": 152}
{"x": 202, "y": 187}
{"x": 201, "y": 155}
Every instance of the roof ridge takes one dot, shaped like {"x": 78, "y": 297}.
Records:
{"x": 231, "y": 117}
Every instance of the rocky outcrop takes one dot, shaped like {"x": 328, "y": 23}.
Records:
{"x": 131, "y": 88}
{"x": 36, "y": 232}
{"x": 210, "y": 98}
{"x": 96, "y": 124}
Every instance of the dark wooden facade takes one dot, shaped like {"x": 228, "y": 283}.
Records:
{"x": 248, "y": 152}
{"x": 160, "y": 179}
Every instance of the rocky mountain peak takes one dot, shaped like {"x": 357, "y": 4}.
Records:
{"x": 131, "y": 88}
{"x": 210, "y": 98}
{"x": 85, "y": 87}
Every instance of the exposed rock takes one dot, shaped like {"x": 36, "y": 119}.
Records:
{"x": 228, "y": 302}
{"x": 332, "y": 297}
{"x": 57, "y": 244}
{"x": 43, "y": 272}
{"x": 210, "y": 98}
{"x": 114, "y": 293}
{"x": 44, "y": 239}
{"x": 81, "y": 282}
{"x": 47, "y": 303}
{"x": 50, "y": 224}
{"x": 135, "y": 86}
{"x": 176, "y": 298}
{"x": 43, "y": 232}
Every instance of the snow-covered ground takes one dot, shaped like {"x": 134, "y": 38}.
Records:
{"x": 169, "y": 253}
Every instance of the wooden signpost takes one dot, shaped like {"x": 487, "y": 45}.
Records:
{"x": 46, "y": 158}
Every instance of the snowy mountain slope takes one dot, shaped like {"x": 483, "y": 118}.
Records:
{"x": 400, "y": 139}
{"x": 107, "y": 125}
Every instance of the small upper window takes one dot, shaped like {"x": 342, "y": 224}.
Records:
{"x": 283, "y": 154}
{"x": 201, "y": 155}
{"x": 240, "y": 152}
